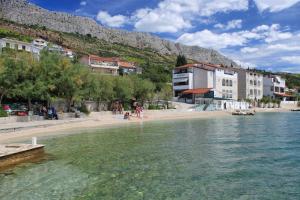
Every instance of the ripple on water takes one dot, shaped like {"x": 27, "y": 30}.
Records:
{"x": 226, "y": 158}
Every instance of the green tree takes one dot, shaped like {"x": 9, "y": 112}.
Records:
{"x": 70, "y": 83}
{"x": 166, "y": 94}
{"x": 143, "y": 89}
{"x": 100, "y": 88}
{"x": 181, "y": 60}
{"x": 29, "y": 84}
{"x": 10, "y": 72}
{"x": 123, "y": 88}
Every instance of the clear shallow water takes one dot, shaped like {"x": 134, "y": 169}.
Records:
{"x": 225, "y": 158}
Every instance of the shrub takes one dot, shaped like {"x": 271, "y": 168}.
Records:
{"x": 3, "y": 113}
{"x": 84, "y": 109}
{"x": 154, "y": 107}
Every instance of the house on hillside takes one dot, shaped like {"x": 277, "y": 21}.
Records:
{"x": 20, "y": 46}
{"x": 15, "y": 44}
{"x": 128, "y": 68}
{"x": 102, "y": 65}
{"x": 35, "y": 47}
{"x": 250, "y": 85}
{"x": 110, "y": 65}
{"x": 40, "y": 43}
{"x": 68, "y": 53}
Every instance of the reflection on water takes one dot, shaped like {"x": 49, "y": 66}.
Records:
{"x": 225, "y": 158}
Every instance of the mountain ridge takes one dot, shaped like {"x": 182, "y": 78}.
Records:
{"x": 22, "y": 12}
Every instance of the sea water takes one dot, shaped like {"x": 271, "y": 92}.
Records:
{"x": 236, "y": 157}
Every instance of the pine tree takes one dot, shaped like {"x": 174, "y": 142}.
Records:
{"x": 181, "y": 60}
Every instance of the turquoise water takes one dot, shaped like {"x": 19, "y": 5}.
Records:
{"x": 226, "y": 158}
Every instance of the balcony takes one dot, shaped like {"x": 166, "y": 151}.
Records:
{"x": 181, "y": 75}
{"x": 181, "y": 87}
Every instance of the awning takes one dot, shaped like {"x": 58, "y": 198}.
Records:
{"x": 284, "y": 95}
{"x": 178, "y": 80}
{"x": 197, "y": 91}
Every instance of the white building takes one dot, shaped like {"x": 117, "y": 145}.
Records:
{"x": 35, "y": 47}
{"x": 250, "y": 85}
{"x": 274, "y": 86}
{"x": 40, "y": 43}
{"x": 205, "y": 80}
{"x": 15, "y": 44}
{"x": 101, "y": 65}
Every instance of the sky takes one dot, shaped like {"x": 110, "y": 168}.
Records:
{"x": 264, "y": 34}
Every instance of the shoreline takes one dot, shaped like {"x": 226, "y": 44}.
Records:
{"x": 98, "y": 120}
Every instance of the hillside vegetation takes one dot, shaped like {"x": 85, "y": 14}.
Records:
{"x": 84, "y": 44}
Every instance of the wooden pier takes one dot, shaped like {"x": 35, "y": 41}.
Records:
{"x": 13, "y": 154}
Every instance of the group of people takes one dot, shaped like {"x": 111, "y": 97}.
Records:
{"x": 137, "y": 109}
{"x": 117, "y": 107}
{"x": 48, "y": 113}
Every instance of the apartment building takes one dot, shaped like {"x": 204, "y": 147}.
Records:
{"x": 205, "y": 80}
{"x": 274, "y": 86}
{"x": 250, "y": 84}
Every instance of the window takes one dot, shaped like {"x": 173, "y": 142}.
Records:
{"x": 7, "y": 45}
{"x": 258, "y": 92}
{"x": 223, "y": 82}
{"x": 251, "y": 82}
{"x": 251, "y": 92}
{"x": 254, "y": 82}
{"x": 272, "y": 88}
{"x": 23, "y": 47}
{"x": 258, "y": 83}
{"x": 230, "y": 82}
{"x": 281, "y": 90}
{"x": 181, "y": 83}
{"x": 255, "y": 92}
{"x": 227, "y": 83}
{"x": 16, "y": 46}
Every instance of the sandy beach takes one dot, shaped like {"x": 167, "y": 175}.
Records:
{"x": 101, "y": 120}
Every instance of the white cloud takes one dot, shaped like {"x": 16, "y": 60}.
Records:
{"x": 156, "y": 21}
{"x": 292, "y": 59}
{"x": 274, "y": 5}
{"x": 233, "y": 24}
{"x": 206, "y": 38}
{"x": 112, "y": 21}
{"x": 245, "y": 64}
{"x": 284, "y": 47}
{"x": 276, "y": 55}
{"x": 249, "y": 50}
{"x": 209, "y": 39}
{"x": 83, "y": 3}
{"x": 176, "y": 15}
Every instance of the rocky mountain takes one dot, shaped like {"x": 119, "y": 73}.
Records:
{"x": 22, "y": 12}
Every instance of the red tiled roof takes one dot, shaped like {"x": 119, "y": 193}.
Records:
{"x": 197, "y": 91}
{"x": 206, "y": 66}
{"x": 126, "y": 64}
{"x": 104, "y": 59}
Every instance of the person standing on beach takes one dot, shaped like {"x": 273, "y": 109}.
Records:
{"x": 138, "y": 111}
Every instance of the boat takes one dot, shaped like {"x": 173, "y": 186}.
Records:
{"x": 243, "y": 113}
{"x": 296, "y": 110}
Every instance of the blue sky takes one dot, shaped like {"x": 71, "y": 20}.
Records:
{"x": 255, "y": 33}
